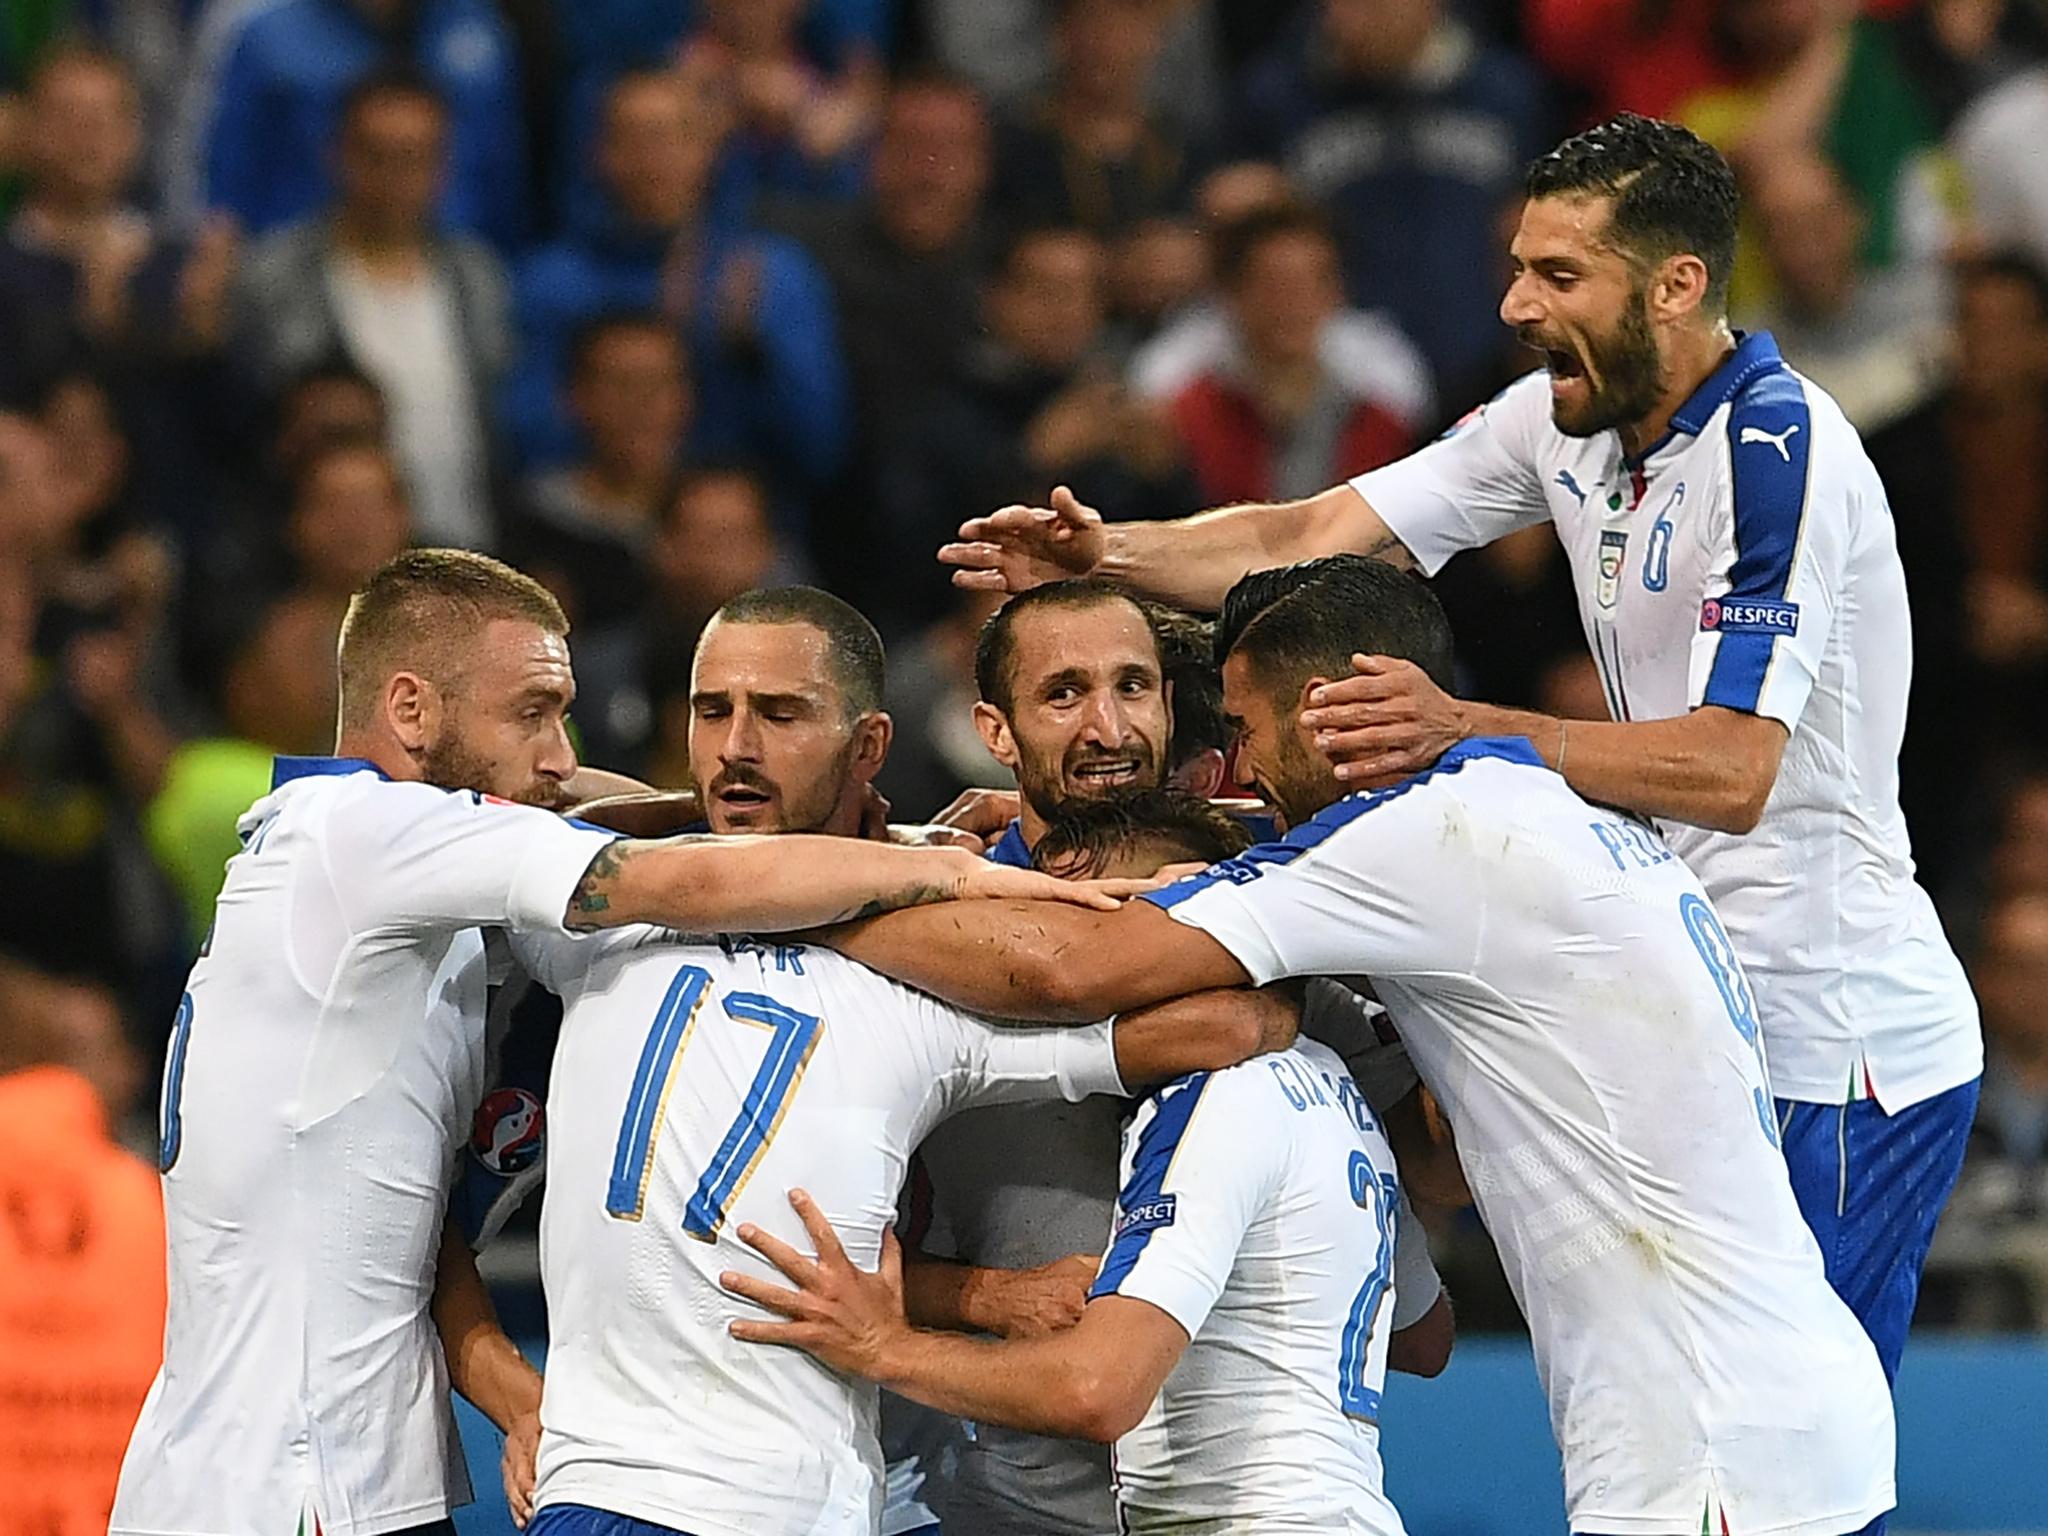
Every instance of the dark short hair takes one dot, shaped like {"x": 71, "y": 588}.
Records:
{"x": 1235, "y": 243}
{"x": 1352, "y": 604}
{"x": 1187, "y": 660}
{"x": 858, "y": 664}
{"x": 1087, "y": 833}
{"x": 995, "y": 649}
{"x": 2008, "y": 267}
{"x": 1257, "y": 591}
{"x": 591, "y": 334}
{"x": 390, "y": 80}
{"x": 1673, "y": 192}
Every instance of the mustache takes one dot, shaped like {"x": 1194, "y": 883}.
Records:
{"x": 740, "y": 776}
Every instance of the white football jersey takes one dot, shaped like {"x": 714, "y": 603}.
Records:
{"x": 695, "y": 1084}
{"x": 1747, "y": 561}
{"x": 1566, "y": 991}
{"x": 1259, "y": 1211}
{"x": 322, "y": 1073}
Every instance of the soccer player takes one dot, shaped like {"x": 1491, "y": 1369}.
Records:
{"x": 328, "y": 1054}
{"x": 1741, "y": 591}
{"x": 1567, "y": 992}
{"x": 694, "y": 1083}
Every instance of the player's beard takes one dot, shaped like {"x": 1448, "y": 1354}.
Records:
{"x": 1303, "y": 782}
{"x": 807, "y": 806}
{"x": 1629, "y": 372}
{"x": 1049, "y": 783}
{"x": 450, "y": 763}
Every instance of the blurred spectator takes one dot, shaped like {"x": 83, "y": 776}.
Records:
{"x": 904, "y": 266}
{"x": 349, "y": 514}
{"x": 1270, "y": 420}
{"x": 425, "y": 315}
{"x": 1038, "y": 405}
{"x": 1998, "y": 142}
{"x": 584, "y": 530}
{"x": 756, "y": 315}
{"x": 82, "y": 1291}
{"x": 1092, "y": 153}
{"x": 937, "y": 752}
{"x": 276, "y": 693}
{"x": 1009, "y": 50}
{"x": 716, "y": 541}
{"x": 2011, "y": 976}
{"x": 1874, "y": 339}
{"x": 1411, "y": 132}
{"x": 265, "y": 93}
{"x": 81, "y": 268}
{"x": 787, "y": 127}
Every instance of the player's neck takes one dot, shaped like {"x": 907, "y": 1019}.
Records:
{"x": 391, "y": 760}
{"x": 1693, "y": 356}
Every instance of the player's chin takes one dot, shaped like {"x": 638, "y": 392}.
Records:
{"x": 749, "y": 816}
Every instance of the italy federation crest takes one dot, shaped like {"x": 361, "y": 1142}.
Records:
{"x": 1613, "y": 545}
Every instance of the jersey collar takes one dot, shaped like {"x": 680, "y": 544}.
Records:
{"x": 284, "y": 769}
{"x": 1010, "y": 848}
{"x": 1755, "y": 354}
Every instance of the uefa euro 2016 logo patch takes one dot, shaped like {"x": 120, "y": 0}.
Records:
{"x": 507, "y": 1133}
{"x": 1747, "y": 616}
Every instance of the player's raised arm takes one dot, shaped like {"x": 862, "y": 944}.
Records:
{"x": 1038, "y": 960}
{"x": 1191, "y": 562}
{"x": 772, "y": 884}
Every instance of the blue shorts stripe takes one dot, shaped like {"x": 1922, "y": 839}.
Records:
{"x": 582, "y": 1520}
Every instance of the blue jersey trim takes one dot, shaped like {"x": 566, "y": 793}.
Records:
{"x": 1157, "y": 1144}
{"x": 1769, "y": 477}
{"x": 284, "y": 769}
{"x": 1010, "y": 849}
{"x": 1250, "y": 864}
{"x": 1755, "y": 354}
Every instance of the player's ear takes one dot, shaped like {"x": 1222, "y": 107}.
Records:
{"x": 412, "y": 710}
{"x": 994, "y": 727}
{"x": 872, "y": 735}
{"x": 1201, "y": 775}
{"x": 1679, "y": 288}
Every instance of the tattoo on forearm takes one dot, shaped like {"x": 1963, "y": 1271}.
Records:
{"x": 593, "y": 893}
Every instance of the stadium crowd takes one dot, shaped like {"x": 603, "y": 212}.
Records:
{"x": 667, "y": 300}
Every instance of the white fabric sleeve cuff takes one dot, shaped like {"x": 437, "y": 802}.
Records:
{"x": 1084, "y": 1060}
{"x": 553, "y": 865}
{"x": 1416, "y": 1282}
{"x": 1222, "y": 912}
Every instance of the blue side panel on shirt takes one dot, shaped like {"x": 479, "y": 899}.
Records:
{"x": 1770, "y": 455}
{"x": 1009, "y": 848}
{"x": 1156, "y": 1145}
{"x": 1251, "y": 864}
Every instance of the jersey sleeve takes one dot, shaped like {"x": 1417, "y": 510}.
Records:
{"x": 410, "y": 855}
{"x": 1193, "y": 1182}
{"x": 1416, "y": 1282}
{"x": 1007, "y": 1064}
{"x": 1776, "y": 566}
{"x": 1476, "y": 483}
{"x": 1365, "y": 887}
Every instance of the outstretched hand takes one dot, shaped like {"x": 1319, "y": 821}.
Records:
{"x": 1019, "y": 548}
{"x": 846, "y": 1317}
{"x": 1002, "y": 883}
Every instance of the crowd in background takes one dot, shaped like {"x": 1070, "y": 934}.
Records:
{"x": 667, "y": 299}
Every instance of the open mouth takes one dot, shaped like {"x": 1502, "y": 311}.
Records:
{"x": 1563, "y": 365}
{"x": 742, "y": 797}
{"x": 1106, "y": 773}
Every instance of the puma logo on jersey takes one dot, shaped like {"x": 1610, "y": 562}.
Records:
{"x": 1564, "y": 478}
{"x": 1776, "y": 439}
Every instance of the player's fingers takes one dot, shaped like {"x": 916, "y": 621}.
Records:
{"x": 1343, "y": 691}
{"x": 752, "y": 1331}
{"x": 780, "y": 1254}
{"x": 830, "y": 1252}
{"x": 792, "y": 1304}
{"x": 975, "y": 554}
{"x": 1017, "y": 518}
{"x": 1358, "y": 717}
{"x": 1382, "y": 738}
{"x": 1378, "y": 765}
{"x": 981, "y": 581}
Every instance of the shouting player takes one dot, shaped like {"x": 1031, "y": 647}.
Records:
{"x": 1243, "y": 1323}
{"x": 1740, "y": 588}
{"x": 1568, "y": 993}
{"x": 329, "y": 1050}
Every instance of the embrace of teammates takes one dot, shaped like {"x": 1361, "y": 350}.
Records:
{"x": 891, "y": 1184}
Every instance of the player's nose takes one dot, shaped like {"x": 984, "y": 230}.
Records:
{"x": 1518, "y": 306}
{"x": 558, "y": 755}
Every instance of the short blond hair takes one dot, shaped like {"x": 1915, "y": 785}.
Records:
{"x": 419, "y": 609}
